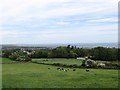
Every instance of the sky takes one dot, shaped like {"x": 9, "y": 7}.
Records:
{"x": 58, "y": 21}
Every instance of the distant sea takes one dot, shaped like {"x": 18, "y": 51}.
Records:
{"x": 80, "y": 45}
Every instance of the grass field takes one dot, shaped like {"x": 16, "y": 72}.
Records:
{"x": 62, "y": 61}
{"x": 6, "y": 60}
{"x": 31, "y": 75}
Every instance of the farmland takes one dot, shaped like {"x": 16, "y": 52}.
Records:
{"x": 61, "y": 61}
{"x": 6, "y": 60}
{"x": 32, "y": 75}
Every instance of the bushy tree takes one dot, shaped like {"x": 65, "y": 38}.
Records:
{"x": 59, "y": 52}
{"x": 72, "y": 54}
{"x": 40, "y": 54}
{"x": 83, "y": 62}
{"x": 101, "y": 53}
{"x": 6, "y": 53}
{"x": 91, "y": 63}
{"x": 23, "y": 58}
{"x": 97, "y": 53}
{"x": 14, "y": 56}
{"x": 19, "y": 56}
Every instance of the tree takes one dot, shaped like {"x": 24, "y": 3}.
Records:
{"x": 68, "y": 46}
{"x": 59, "y": 52}
{"x": 6, "y": 53}
{"x": 101, "y": 53}
{"x": 72, "y": 54}
{"x": 83, "y": 62}
{"x": 14, "y": 56}
{"x": 23, "y": 58}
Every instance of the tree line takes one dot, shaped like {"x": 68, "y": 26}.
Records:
{"x": 97, "y": 53}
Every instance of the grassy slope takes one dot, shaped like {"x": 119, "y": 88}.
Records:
{"x": 6, "y": 60}
{"x": 30, "y": 75}
{"x": 70, "y": 61}
{"x": 62, "y": 61}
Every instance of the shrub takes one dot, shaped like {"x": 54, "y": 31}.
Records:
{"x": 56, "y": 64}
{"x": 75, "y": 65}
{"x": 91, "y": 63}
{"x": 23, "y": 58}
{"x": 83, "y": 63}
{"x": 102, "y": 65}
{"x": 14, "y": 56}
{"x": 62, "y": 65}
{"x": 70, "y": 66}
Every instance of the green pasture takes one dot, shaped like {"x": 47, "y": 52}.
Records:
{"x": 7, "y": 60}
{"x": 31, "y": 75}
{"x": 61, "y": 61}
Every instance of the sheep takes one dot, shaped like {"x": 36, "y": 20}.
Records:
{"x": 87, "y": 70}
{"x": 74, "y": 69}
{"x": 58, "y": 68}
{"x": 62, "y": 68}
{"x": 65, "y": 70}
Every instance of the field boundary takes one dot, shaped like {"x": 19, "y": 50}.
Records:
{"x": 13, "y": 62}
{"x": 77, "y": 66}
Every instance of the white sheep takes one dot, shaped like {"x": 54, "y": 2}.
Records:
{"x": 65, "y": 70}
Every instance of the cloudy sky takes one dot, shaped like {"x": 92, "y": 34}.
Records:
{"x": 58, "y": 21}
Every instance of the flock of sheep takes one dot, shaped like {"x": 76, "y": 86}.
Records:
{"x": 86, "y": 62}
{"x": 65, "y": 69}
{"x": 62, "y": 69}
